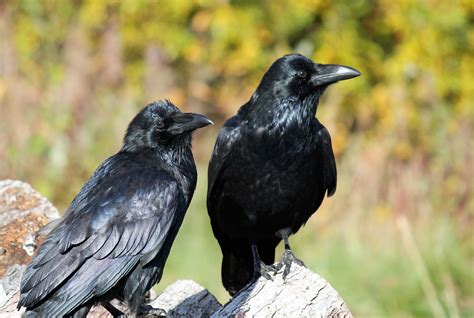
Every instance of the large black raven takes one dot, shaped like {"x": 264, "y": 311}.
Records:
{"x": 271, "y": 168}
{"x": 116, "y": 235}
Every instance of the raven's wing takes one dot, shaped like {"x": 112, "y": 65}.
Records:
{"x": 120, "y": 218}
{"x": 328, "y": 161}
{"x": 226, "y": 139}
{"x": 237, "y": 259}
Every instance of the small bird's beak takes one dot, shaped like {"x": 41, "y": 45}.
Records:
{"x": 331, "y": 73}
{"x": 183, "y": 122}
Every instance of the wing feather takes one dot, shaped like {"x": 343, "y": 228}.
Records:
{"x": 329, "y": 162}
{"x": 98, "y": 230}
{"x": 226, "y": 139}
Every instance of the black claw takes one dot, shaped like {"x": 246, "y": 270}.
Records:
{"x": 277, "y": 267}
{"x": 287, "y": 259}
{"x": 266, "y": 276}
{"x": 259, "y": 267}
{"x": 145, "y": 310}
{"x": 272, "y": 268}
{"x": 263, "y": 270}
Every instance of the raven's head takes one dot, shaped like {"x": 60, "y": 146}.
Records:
{"x": 297, "y": 77}
{"x": 161, "y": 124}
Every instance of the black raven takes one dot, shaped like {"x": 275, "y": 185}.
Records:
{"x": 116, "y": 235}
{"x": 271, "y": 168}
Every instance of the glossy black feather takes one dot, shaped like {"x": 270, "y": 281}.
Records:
{"x": 119, "y": 229}
{"x": 271, "y": 166}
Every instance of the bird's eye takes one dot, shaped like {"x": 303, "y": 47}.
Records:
{"x": 301, "y": 74}
{"x": 161, "y": 123}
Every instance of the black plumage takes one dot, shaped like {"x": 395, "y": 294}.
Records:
{"x": 271, "y": 167}
{"x": 117, "y": 233}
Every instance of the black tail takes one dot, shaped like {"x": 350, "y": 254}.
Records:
{"x": 237, "y": 263}
{"x": 237, "y": 270}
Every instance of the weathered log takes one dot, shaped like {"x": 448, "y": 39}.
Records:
{"x": 23, "y": 211}
{"x": 302, "y": 294}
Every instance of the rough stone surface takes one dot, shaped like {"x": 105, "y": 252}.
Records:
{"x": 302, "y": 294}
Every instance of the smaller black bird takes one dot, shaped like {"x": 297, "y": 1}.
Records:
{"x": 271, "y": 168}
{"x": 116, "y": 235}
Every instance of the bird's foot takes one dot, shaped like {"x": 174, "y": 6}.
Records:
{"x": 263, "y": 270}
{"x": 149, "y": 311}
{"x": 286, "y": 260}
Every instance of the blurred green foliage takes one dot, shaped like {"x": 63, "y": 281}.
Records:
{"x": 397, "y": 238}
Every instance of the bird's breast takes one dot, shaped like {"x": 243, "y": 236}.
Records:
{"x": 265, "y": 173}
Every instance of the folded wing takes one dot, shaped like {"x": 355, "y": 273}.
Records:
{"x": 117, "y": 221}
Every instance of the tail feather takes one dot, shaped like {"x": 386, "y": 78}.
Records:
{"x": 236, "y": 271}
{"x": 237, "y": 264}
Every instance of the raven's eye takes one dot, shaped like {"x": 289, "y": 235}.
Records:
{"x": 301, "y": 74}
{"x": 162, "y": 123}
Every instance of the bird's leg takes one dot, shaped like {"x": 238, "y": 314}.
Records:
{"x": 149, "y": 310}
{"x": 259, "y": 267}
{"x": 112, "y": 310}
{"x": 288, "y": 257}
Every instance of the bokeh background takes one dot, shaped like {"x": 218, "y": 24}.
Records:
{"x": 396, "y": 240}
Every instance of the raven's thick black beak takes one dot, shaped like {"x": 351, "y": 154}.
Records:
{"x": 331, "y": 73}
{"x": 183, "y": 122}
